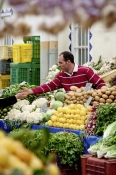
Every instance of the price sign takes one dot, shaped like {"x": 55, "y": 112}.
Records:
{"x": 88, "y": 87}
{"x": 44, "y": 108}
{"x": 88, "y": 101}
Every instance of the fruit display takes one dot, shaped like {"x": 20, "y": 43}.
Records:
{"x": 16, "y": 159}
{"x": 79, "y": 96}
{"x": 73, "y": 116}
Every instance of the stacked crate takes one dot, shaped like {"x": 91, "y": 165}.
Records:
{"x": 26, "y": 61}
{"x": 5, "y": 60}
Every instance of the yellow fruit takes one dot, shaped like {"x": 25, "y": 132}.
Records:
{"x": 82, "y": 122}
{"x": 36, "y": 163}
{"x": 60, "y": 109}
{"x": 83, "y": 118}
{"x": 65, "y": 109}
{"x": 82, "y": 127}
{"x": 72, "y": 106}
{"x": 52, "y": 169}
{"x": 50, "y": 123}
{"x": 60, "y": 114}
{"x": 68, "y": 111}
{"x": 60, "y": 125}
{"x": 4, "y": 154}
{"x": 55, "y": 113}
{"x": 77, "y": 116}
{"x": 78, "y": 106}
{"x": 82, "y": 113}
{"x": 77, "y": 111}
{"x": 53, "y": 118}
{"x": 89, "y": 108}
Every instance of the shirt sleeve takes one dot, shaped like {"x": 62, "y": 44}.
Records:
{"x": 51, "y": 86}
{"x": 95, "y": 79}
{"x": 7, "y": 101}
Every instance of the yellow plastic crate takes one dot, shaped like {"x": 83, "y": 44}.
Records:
{"x": 5, "y": 52}
{"x": 22, "y": 53}
{"x": 4, "y": 81}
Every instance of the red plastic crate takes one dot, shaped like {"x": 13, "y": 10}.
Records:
{"x": 66, "y": 170}
{"x": 94, "y": 166}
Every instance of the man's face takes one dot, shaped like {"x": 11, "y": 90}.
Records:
{"x": 64, "y": 65}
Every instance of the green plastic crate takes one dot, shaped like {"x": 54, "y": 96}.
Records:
{"x": 35, "y": 40}
{"x": 20, "y": 72}
{"x": 35, "y": 74}
{"x": 28, "y": 72}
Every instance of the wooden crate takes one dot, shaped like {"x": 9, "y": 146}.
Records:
{"x": 107, "y": 76}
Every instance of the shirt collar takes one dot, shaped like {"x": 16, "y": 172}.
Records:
{"x": 74, "y": 70}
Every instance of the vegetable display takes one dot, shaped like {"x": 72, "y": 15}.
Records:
{"x": 106, "y": 146}
{"x": 106, "y": 115}
{"x": 103, "y": 95}
{"x": 72, "y": 116}
{"x": 67, "y": 146}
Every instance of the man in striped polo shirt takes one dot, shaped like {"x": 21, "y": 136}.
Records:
{"x": 71, "y": 74}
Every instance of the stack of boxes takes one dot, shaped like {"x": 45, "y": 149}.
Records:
{"x": 26, "y": 62}
{"x": 5, "y": 60}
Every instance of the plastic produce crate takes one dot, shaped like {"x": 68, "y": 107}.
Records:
{"x": 94, "y": 166}
{"x": 4, "y": 81}
{"x": 35, "y": 40}
{"x": 22, "y": 53}
{"x": 35, "y": 74}
{"x": 5, "y": 52}
{"x": 5, "y": 66}
{"x": 28, "y": 72}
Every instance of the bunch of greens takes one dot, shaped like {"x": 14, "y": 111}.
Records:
{"x": 67, "y": 146}
{"x": 106, "y": 146}
{"x": 106, "y": 115}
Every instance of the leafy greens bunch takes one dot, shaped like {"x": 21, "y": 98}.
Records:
{"x": 106, "y": 115}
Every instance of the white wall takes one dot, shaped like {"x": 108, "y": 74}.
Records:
{"x": 63, "y": 40}
{"x": 103, "y": 41}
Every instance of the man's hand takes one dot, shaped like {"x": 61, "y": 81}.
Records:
{"x": 26, "y": 91}
{"x": 21, "y": 96}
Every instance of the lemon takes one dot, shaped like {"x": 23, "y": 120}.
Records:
{"x": 89, "y": 108}
{"x": 53, "y": 118}
{"x": 78, "y": 106}
{"x": 77, "y": 111}
{"x": 50, "y": 123}
{"x": 68, "y": 111}
{"x": 82, "y": 127}
{"x": 60, "y": 109}
{"x": 82, "y": 113}
{"x": 72, "y": 106}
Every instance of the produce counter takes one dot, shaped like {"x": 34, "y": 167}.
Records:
{"x": 87, "y": 140}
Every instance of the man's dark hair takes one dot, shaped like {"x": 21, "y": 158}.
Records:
{"x": 67, "y": 56}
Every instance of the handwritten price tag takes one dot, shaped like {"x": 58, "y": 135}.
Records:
{"x": 88, "y": 101}
{"x": 88, "y": 87}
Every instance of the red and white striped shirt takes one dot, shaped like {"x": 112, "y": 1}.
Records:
{"x": 80, "y": 76}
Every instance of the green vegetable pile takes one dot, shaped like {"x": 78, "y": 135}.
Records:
{"x": 106, "y": 115}
{"x": 67, "y": 146}
{"x": 14, "y": 89}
